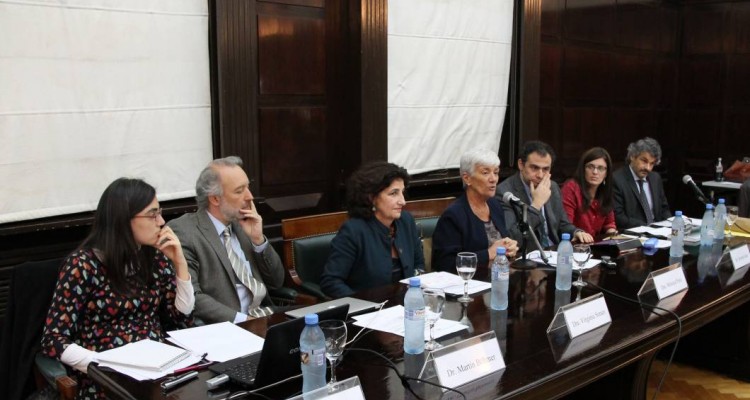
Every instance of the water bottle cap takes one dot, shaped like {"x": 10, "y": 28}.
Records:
{"x": 709, "y": 206}
{"x": 311, "y": 319}
{"x": 721, "y": 201}
{"x": 566, "y": 236}
{"x": 414, "y": 282}
{"x": 500, "y": 250}
{"x": 678, "y": 213}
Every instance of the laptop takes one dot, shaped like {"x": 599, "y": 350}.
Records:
{"x": 356, "y": 306}
{"x": 279, "y": 358}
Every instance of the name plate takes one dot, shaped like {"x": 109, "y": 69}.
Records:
{"x": 740, "y": 256}
{"x": 586, "y": 315}
{"x": 462, "y": 364}
{"x": 669, "y": 280}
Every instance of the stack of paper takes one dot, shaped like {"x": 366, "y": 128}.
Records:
{"x": 221, "y": 342}
{"x": 146, "y": 359}
{"x": 392, "y": 320}
{"x": 450, "y": 283}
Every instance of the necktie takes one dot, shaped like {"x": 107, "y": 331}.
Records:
{"x": 544, "y": 239}
{"x": 257, "y": 288}
{"x": 644, "y": 203}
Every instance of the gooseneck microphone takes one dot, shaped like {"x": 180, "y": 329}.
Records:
{"x": 511, "y": 200}
{"x": 688, "y": 180}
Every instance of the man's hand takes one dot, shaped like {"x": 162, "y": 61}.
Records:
{"x": 540, "y": 193}
{"x": 252, "y": 224}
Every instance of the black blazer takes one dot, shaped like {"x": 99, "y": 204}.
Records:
{"x": 629, "y": 212}
{"x": 459, "y": 229}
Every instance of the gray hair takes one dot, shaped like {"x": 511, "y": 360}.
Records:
{"x": 472, "y": 158}
{"x": 209, "y": 181}
{"x": 647, "y": 145}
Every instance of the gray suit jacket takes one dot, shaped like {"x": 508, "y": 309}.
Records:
{"x": 557, "y": 219}
{"x": 211, "y": 272}
{"x": 629, "y": 212}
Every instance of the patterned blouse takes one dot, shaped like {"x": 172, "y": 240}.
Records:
{"x": 86, "y": 311}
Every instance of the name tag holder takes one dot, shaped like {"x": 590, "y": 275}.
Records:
{"x": 730, "y": 275}
{"x": 564, "y": 348}
{"x": 465, "y": 361}
{"x": 348, "y": 389}
{"x": 740, "y": 256}
{"x": 581, "y": 316}
{"x": 666, "y": 282}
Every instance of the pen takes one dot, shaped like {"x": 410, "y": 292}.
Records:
{"x": 178, "y": 380}
{"x": 201, "y": 364}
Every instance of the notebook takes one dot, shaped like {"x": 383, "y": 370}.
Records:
{"x": 356, "y": 306}
{"x": 146, "y": 354}
{"x": 279, "y": 358}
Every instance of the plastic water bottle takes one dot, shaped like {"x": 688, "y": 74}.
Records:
{"x": 719, "y": 216}
{"x": 678, "y": 235}
{"x": 564, "y": 276}
{"x": 414, "y": 318}
{"x": 312, "y": 351}
{"x": 719, "y": 171}
{"x": 707, "y": 226}
{"x": 500, "y": 276}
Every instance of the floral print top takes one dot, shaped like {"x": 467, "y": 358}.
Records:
{"x": 86, "y": 311}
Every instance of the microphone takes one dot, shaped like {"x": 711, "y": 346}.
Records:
{"x": 511, "y": 200}
{"x": 688, "y": 180}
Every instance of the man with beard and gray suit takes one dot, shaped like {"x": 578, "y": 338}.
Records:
{"x": 534, "y": 186}
{"x": 230, "y": 261}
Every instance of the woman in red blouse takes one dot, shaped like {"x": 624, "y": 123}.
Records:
{"x": 587, "y": 197}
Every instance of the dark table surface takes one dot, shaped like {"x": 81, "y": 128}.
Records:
{"x": 538, "y": 365}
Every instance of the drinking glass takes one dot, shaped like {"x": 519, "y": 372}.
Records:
{"x": 731, "y": 219}
{"x": 335, "y": 334}
{"x": 581, "y": 254}
{"x": 466, "y": 265}
{"x": 434, "y": 301}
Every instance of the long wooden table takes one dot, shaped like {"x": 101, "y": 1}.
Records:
{"x": 538, "y": 366}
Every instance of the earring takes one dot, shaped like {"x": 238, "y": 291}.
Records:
{"x": 373, "y": 208}
{"x": 604, "y": 182}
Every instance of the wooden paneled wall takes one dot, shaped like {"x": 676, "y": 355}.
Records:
{"x": 615, "y": 71}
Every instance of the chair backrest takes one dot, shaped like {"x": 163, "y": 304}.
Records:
{"x": 31, "y": 290}
{"x": 307, "y": 243}
{"x": 426, "y": 214}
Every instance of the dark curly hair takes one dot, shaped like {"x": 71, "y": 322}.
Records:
{"x": 536, "y": 146}
{"x": 366, "y": 182}
{"x": 604, "y": 191}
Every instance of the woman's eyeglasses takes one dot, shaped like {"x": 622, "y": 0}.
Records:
{"x": 154, "y": 214}
{"x": 598, "y": 168}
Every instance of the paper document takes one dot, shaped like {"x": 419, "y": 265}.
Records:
{"x": 391, "y": 320}
{"x": 222, "y": 341}
{"x": 552, "y": 258}
{"x": 662, "y": 232}
{"x": 146, "y": 359}
{"x": 452, "y": 284}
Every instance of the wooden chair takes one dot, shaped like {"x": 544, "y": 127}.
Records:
{"x": 426, "y": 214}
{"x": 307, "y": 243}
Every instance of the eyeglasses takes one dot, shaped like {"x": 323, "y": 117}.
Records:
{"x": 151, "y": 214}
{"x": 598, "y": 168}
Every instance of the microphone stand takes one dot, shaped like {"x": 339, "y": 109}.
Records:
{"x": 523, "y": 226}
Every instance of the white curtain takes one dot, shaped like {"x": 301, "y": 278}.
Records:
{"x": 448, "y": 75}
{"x": 92, "y": 90}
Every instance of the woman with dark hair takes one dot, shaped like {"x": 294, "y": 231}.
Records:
{"x": 127, "y": 281}
{"x": 379, "y": 244}
{"x": 587, "y": 197}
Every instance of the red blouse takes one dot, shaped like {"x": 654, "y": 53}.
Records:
{"x": 591, "y": 221}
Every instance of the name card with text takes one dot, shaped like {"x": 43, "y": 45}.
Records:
{"x": 586, "y": 315}
{"x": 458, "y": 366}
{"x": 740, "y": 256}
{"x": 669, "y": 280}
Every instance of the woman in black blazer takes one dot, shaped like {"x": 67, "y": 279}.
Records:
{"x": 475, "y": 221}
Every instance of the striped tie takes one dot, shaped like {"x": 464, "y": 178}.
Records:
{"x": 257, "y": 288}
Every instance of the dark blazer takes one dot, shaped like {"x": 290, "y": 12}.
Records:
{"x": 557, "y": 219}
{"x": 211, "y": 272}
{"x": 459, "y": 229}
{"x": 361, "y": 255}
{"x": 629, "y": 212}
